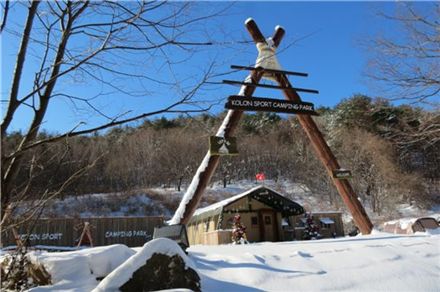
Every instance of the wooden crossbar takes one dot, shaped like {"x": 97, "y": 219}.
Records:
{"x": 233, "y": 82}
{"x": 269, "y": 70}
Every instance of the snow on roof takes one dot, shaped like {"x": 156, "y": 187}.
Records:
{"x": 326, "y": 220}
{"x": 227, "y": 201}
{"x": 221, "y": 204}
{"x": 326, "y": 212}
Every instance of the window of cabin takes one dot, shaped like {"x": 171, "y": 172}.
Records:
{"x": 326, "y": 222}
{"x": 302, "y": 222}
{"x": 323, "y": 225}
{"x": 254, "y": 220}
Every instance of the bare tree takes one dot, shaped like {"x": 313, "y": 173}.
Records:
{"x": 376, "y": 175}
{"x": 107, "y": 46}
{"x": 407, "y": 64}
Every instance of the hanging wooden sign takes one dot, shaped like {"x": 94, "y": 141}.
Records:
{"x": 342, "y": 173}
{"x": 223, "y": 146}
{"x": 238, "y": 102}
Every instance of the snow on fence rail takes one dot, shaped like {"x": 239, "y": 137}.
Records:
{"x": 131, "y": 231}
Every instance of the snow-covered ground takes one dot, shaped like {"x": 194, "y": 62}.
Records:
{"x": 377, "y": 262}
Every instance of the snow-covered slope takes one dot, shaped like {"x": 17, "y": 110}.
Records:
{"x": 378, "y": 262}
{"x": 164, "y": 201}
{"x": 157, "y": 201}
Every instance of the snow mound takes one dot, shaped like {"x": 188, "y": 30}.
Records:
{"x": 403, "y": 223}
{"x": 78, "y": 270}
{"x": 124, "y": 272}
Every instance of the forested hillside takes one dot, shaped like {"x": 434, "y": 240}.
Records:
{"x": 392, "y": 156}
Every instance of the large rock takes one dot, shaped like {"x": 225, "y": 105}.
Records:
{"x": 163, "y": 272}
{"x": 160, "y": 264}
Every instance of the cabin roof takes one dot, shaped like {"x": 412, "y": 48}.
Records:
{"x": 292, "y": 208}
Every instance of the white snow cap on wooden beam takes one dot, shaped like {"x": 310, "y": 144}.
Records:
{"x": 278, "y": 27}
{"x": 248, "y": 20}
{"x": 189, "y": 194}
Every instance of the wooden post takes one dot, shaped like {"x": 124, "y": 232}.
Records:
{"x": 229, "y": 125}
{"x": 17, "y": 238}
{"x": 327, "y": 158}
{"x": 319, "y": 144}
{"x": 85, "y": 232}
{"x": 204, "y": 177}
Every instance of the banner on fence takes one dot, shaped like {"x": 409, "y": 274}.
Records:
{"x": 131, "y": 231}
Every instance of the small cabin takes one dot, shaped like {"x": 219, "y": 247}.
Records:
{"x": 267, "y": 215}
{"x": 410, "y": 225}
{"x": 330, "y": 224}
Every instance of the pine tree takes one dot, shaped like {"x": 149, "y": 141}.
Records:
{"x": 238, "y": 231}
{"x": 311, "y": 230}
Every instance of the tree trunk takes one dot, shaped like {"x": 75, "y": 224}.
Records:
{"x": 14, "y": 164}
{"x": 179, "y": 183}
{"x": 21, "y": 56}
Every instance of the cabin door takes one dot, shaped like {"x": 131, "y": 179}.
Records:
{"x": 269, "y": 226}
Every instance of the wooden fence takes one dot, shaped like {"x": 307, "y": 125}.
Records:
{"x": 131, "y": 231}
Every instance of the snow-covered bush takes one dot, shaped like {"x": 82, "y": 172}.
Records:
{"x": 19, "y": 272}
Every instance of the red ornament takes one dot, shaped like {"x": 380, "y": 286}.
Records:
{"x": 260, "y": 176}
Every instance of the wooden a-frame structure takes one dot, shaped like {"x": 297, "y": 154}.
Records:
{"x": 207, "y": 168}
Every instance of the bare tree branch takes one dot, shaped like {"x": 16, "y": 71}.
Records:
{"x": 407, "y": 66}
{"x": 21, "y": 56}
{"x": 37, "y": 206}
{"x": 5, "y": 15}
{"x": 115, "y": 121}
{"x": 97, "y": 43}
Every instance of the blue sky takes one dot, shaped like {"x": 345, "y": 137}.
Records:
{"x": 325, "y": 37}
